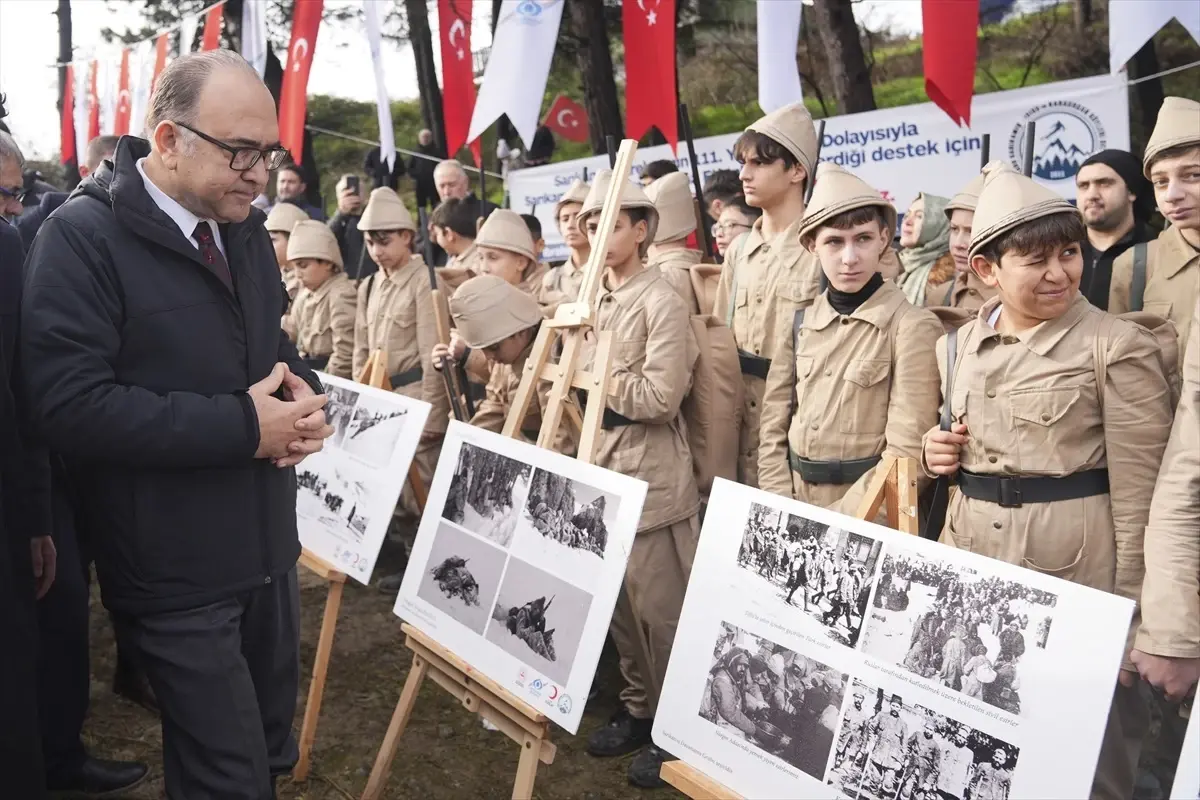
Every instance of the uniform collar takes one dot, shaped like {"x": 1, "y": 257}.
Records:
{"x": 1041, "y": 338}
{"x": 627, "y": 294}
{"x": 403, "y": 275}
{"x": 326, "y": 287}
{"x": 786, "y": 244}
{"x": 1174, "y": 252}
{"x": 468, "y": 255}
{"x": 878, "y": 310}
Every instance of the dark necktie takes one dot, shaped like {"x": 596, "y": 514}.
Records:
{"x": 211, "y": 253}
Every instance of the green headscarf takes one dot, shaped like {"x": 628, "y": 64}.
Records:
{"x": 933, "y": 243}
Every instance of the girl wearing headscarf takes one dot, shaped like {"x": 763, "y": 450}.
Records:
{"x": 925, "y": 243}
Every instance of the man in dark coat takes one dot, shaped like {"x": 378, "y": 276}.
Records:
{"x": 421, "y": 167}
{"x": 158, "y": 371}
{"x": 1116, "y": 201}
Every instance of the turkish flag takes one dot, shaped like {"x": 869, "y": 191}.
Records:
{"x": 212, "y": 28}
{"x": 458, "y": 74}
{"x": 293, "y": 97}
{"x": 161, "y": 46}
{"x": 124, "y": 99}
{"x": 93, "y": 100}
{"x": 650, "y": 98}
{"x": 567, "y": 118}
{"x": 66, "y": 146}
{"x": 951, "y": 46}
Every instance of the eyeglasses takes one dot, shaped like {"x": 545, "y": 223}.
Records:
{"x": 244, "y": 158}
{"x": 17, "y": 194}
{"x": 728, "y": 227}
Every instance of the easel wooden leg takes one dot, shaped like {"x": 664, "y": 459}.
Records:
{"x": 420, "y": 493}
{"x": 527, "y": 768}
{"x": 316, "y": 689}
{"x": 391, "y": 740}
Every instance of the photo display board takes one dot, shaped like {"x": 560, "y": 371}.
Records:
{"x": 517, "y": 564}
{"x": 822, "y": 656}
{"x": 346, "y": 493}
{"x": 1187, "y": 774}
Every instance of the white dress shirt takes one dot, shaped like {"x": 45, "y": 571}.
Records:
{"x": 186, "y": 220}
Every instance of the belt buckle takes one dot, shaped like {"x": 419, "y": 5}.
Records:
{"x": 1010, "y": 492}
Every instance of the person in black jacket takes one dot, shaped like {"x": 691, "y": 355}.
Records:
{"x": 158, "y": 371}
{"x": 421, "y": 168}
{"x": 1116, "y": 201}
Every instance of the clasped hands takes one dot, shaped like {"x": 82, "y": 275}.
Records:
{"x": 292, "y": 429}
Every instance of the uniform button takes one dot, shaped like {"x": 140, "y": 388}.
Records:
{"x": 814, "y": 426}
{"x": 1045, "y": 417}
{"x": 752, "y": 404}
{"x": 756, "y": 351}
{"x": 845, "y": 320}
{"x": 828, "y": 372}
{"x": 991, "y": 392}
{"x": 992, "y": 459}
{"x": 758, "y": 299}
{"x": 997, "y": 525}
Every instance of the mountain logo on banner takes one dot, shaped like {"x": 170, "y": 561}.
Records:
{"x": 1067, "y": 134}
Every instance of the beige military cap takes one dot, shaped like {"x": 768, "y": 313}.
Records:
{"x": 505, "y": 230}
{"x": 284, "y": 216}
{"x": 385, "y": 211}
{"x": 488, "y": 310}
{"x": 967, "y": 198}
{"x": 672, "y": 199}
{"x": 312, "y": 239}
{"x": 1178, "y": 124}
{"x": 1010, "y": 199}
{"x": 577, "y": 192}
{"x": 632, "y": 196}
{"x": 792, "y": 127}
{"x": 837, "y": 191}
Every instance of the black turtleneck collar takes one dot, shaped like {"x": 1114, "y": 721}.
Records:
{"x": 847, "y": 303}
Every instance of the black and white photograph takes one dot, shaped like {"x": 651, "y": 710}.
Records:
{"x": 826, "y": 572}
{"x": 486, "y": 493}
{"x": 782, "y": 702}
{"x": 890, "y": 749}
{"x": 375, "y": 427}
{"x": 539, "y": 619}
{"x": 462, "y": 576}
{"x": 975, "y": 634}
{"x": 339, "y": 409}
{"x": 335, "y": 497}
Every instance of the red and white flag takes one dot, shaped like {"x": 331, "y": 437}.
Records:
{"x": 93, "y": 101}
{"x": 567, "y": 118}
{"x": 66, "y": 145}
{"x": 950, "y": 48}
{"x": 650, "y": 96}
{"x": 161, "y": 45}
{"x": 458, "y": 74}
{"x": 293, "y": 97}
{"x": 212, "y": 28}
{"x": 124, "y": 98}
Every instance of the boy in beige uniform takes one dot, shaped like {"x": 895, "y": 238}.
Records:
{"x": 854, "y": 376}
{"x": 676, "y": 222}
{"x": 279, "y": 224}
{"x": 453, "y": 226}
{"x": 644, "y": 436}
{"x": 965, "y": 290}
{"x": 1167, "y": 650}
{"x": 1034, "y": 439}
{"x": 767, "y": 273}
{"x": 561, "y": 284}
{"x": 1172, "y": 261}
{"x": 321, "y": 320}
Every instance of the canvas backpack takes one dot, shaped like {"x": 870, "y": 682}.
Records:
{"x": 712, "y": 408}
{"x": 1164, "y": 333}
{"x": 705, "y": 278}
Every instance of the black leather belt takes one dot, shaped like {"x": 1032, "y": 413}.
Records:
{"x": 316, "y": 362}
{"x": 611, "y": 419}
{"x": 838, "y": 473}
{"x": 754, "y": 365}
{"x": 1014, "y": 491}
{"x": 409, "y": 376}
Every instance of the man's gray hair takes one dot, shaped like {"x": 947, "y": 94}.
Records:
{"x": 177, "y": 93}
{"x": 10, "y": 150}
{"x": 449, "y": 165}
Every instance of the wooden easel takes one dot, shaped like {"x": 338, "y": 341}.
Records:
{"x": 893, "y": 484}
{"x": 373, "y": 374}
{"x": 519, "y": 721}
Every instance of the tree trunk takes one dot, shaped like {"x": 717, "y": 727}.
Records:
{"x": 421, "y": 40}
{"x": 71, "y": 168}
{"x": 847, "y": 63}
{"x": 1083, "y": 15}
{"x": 594, "y": 61}
{"x": 1149, "y": 92}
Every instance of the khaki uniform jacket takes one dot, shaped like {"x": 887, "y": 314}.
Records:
{"x": 560, "y": 285}
{"x": 1171, "y": 594}
{"x": 866, "y": 384}
{"x": 502, "y": 386}
{"x": 467, "y": 260}
{"x": 654, "y": 353}
{"x": 1032, "y": 407}
{"x": 966, "y": 291}
{"x": 773, "y": 279}
{"x": 1172, "y": 281}
{"x": 322, "y": 323}
{"x": 395, "y": 313}
{"x": 479, "y": 370}
{"x": 291, "y": 283}
{"x": 675, "y": 266}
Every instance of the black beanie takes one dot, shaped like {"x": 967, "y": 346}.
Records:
{"x": 1129, "y": 168}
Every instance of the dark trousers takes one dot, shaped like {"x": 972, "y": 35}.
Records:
{"x": 226, "y": 677}
{"x": 21, "y": 771}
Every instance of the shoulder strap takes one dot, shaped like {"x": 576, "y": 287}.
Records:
{"x": 949, "y": 301}
{"x": 797, "y": 324}
{"x": 370, "y": 285}
{"x": 1100, "y": 350}
{"x": 948, "y": 392}
{"x": 1137, "y": 288}
{"x": 737, "y": 246}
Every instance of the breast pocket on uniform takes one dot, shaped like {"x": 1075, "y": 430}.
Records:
{"x": 1045, "y": 444}
{"x": 629, "y": 354}
{"x": 1160, "y": 309}
{"x": 865, "y": 396}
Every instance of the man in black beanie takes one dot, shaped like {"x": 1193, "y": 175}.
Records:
{"x": 1116, "y": 201}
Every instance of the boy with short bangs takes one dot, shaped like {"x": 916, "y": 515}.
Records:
{"x": 1049, "y": 397}
{"x": 453, "y": 227}
{"x": 965, "y": 290}
{"x": 279, "y": 224}
{"x": 643, "y": 435}
{"x": 561, "y": 284}
{"x": 321, "y": 320}
{"x": 1169, "y": 278}
{"x": 854, "y": 376}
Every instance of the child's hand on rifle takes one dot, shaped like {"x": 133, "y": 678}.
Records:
{"x": 452, "y": 352}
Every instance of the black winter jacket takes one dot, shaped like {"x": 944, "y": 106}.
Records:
{"x": 138, "y": 360}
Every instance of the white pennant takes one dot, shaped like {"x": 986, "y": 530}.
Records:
{"x": 187, "y": 33}
{"x": 82, "y": 70}
{"x": 517, "y": 68}
{"x": 778, "y": 75}
{"x": 372, "y": 10}
{"x": 254, "y": 34}
{"x": 108, "y": 88}
{"x": 141, "y": 70}
{"x": 1132, "y": 23}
